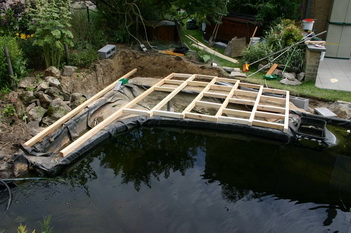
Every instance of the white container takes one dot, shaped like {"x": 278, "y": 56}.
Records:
{"x": 307, "y": 24}
{"x": 255, "y": 40}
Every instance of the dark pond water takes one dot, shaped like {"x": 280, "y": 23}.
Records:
{"x": 166, "y": 180}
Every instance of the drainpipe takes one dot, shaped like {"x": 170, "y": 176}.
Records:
{"x": 308, "y": 9}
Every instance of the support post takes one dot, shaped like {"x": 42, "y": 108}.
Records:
{"x": 8, "y": 60}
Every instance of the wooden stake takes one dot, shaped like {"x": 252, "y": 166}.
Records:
{"x": 74, "y": 112}
{"x": 272, "y": 69}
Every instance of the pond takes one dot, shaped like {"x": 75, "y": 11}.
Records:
{"x": 172, "y": 180}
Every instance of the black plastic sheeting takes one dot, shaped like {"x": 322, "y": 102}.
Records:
{"x": 52, "y": 164}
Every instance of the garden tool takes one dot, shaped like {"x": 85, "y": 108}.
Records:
{"x": 120, "y": 83}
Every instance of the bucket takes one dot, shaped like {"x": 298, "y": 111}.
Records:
{"x": 307, "y": 24}
{"x": 255, "y": 40}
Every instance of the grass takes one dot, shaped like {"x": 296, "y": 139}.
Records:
{"x": 306, "y": 89}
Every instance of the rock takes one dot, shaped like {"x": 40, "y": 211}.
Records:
{"x": 29, "y": 107}
{"x": 294, "y": 82}
{"x": 4, "y": 166}
{"x": 300, "y": 76}
{"x": 260, "y": 67}
{"x": 289, "y": 69}
{"x": 34, "y": 127}
{"x": 54, "y": 93}
{"x": 28, "y": 83}
{"x": 46, "y": 121}
{"x": 235, "y": 47}
{"x": 43, "y": 86}
{"x": 278, "y": 72}
{"x": 77, "y": 99}
{"x": 53, "y": 82}
{"x": 52, "y": 71}
{"x": 5, "y": 174}
{"x": 342, "y": 109}
{"x": 69, "y": 70}
{"x": 290, "y": 76}
{"x": 27, "y": 97}
{"x": 36, "y": 113}
{"x": 45, "y": 100}
{"x": 20, "y": 167}
{"x": 58, "y": 108}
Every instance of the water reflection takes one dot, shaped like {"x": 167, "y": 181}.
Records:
{"x": 245, "y": 168}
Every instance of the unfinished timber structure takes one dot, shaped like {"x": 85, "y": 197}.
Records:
{"x": 230, "y": 101}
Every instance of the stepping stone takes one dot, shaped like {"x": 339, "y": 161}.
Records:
{"x": 325, "y": 112}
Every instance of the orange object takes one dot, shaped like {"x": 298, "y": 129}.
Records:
{"x": 170, "y": 52}
{"x": 272, "y": 69}
{"x": 246, "y": 67}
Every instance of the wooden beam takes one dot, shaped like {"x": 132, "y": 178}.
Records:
{"x": 221, "y": 88}
{"x": 271, "y": 108}
{"x": 241, "y": 101}
{"x": 250, "y": 85}
{"x": 245, "y": 93}
{"x": 269, "y": 115}
{"x": 287, "y": 112}
{"x": 268, "y": 124}
{"x": 226, "y": 101}
{"x": 237, "y": 112}
{"x": 201, "y": 116}
{"x": 234, "y": 120}
{"x": 136, "y": 111}
{"x": 273, "y": 99}
{"x": 207, "y": 104}
{"x": 276, "y": 91}
{"x": 174, "y": 82}
{"x": 215, "y": 95}
{"x": 197, "y": 83}
{"x": 227, "y": 80}
{"x": 165, "y": 89}
{"x": 207, "y": 49}
{"x": 74, "y": 145}
{"x": 168, "y": 114}
{"x": 254, "y": 109}
{"x": 75, "y": 111}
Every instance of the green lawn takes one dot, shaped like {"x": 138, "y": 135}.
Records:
{"x": 307, "y": 89}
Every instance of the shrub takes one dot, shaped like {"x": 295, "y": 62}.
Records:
{"x": 84, "y": 57}
{"x": 17, "y": 60}
{"x": 277, "y": 37}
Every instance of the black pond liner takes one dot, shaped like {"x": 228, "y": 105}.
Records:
{"x": 51, "y": 164}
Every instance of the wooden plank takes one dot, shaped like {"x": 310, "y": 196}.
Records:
{"x": 165, "y": 89}
{"x": 172, "y": 94}
{"x": 174, "y": 82}
{"x": 48, "y": 130}
{"x": 273, "y": 99}
{"x": 74, "y": 145}
{"x": 201, "y": 116}
{"x": 221, "y": 88}
{"x": 270, "y": 108}
{"x": 237, "y": 112}
{"x": 181, "y": 75}
{"x": 245, "y": 93}
{"x": 241, "y": 101}
{"x": 227, "y": 80}
{"x": 168, "y": 114}
{"x": 268, "y": 124}
{"x": 287, "y": 112}
{"x": 207, "y": 49}
{"x": 250, "y": 85}
{"x": 272, "y": 69}
{"x": 207, "y": 104}
{"x": 136, "y": 111}
{"x": 197, "y": 83}
{"x": 276, "y": 91}
{"x": 199, "y": 96}
{"x": 234, "y": 120}
{"x": 254, "y": 108}
{"x": 226, "y": 101}
{"x": 270, "y": 115}
{"x": 205, "y": 76}
{"x": 215, "y": 95}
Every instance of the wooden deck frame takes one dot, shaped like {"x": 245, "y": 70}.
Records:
{"x": 224, "y": 113}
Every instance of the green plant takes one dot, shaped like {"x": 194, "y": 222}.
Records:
{"x": 257, "y": 51}
{"x": 17, "y": 60}
{"x": 9, "y": 110}
{"x": 51, "y": 23}
{"x": 84, "y": 57}
{"x": 46, "y": 227}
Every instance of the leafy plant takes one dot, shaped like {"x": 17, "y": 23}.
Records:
{"x": 17, "y": 60}
{"x": 279, "y": 36}
{"x": 84, "y": 57}
{"x": 51, "y": 23}
{"x": 9, "y": 110}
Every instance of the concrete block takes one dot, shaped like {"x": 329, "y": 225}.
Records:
{"x": 107, "y": 51}
{"x": 325, "y": 112}
{"x": 300, "y": 102}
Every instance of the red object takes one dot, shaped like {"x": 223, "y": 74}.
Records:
{"x": 309, "y": 20}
